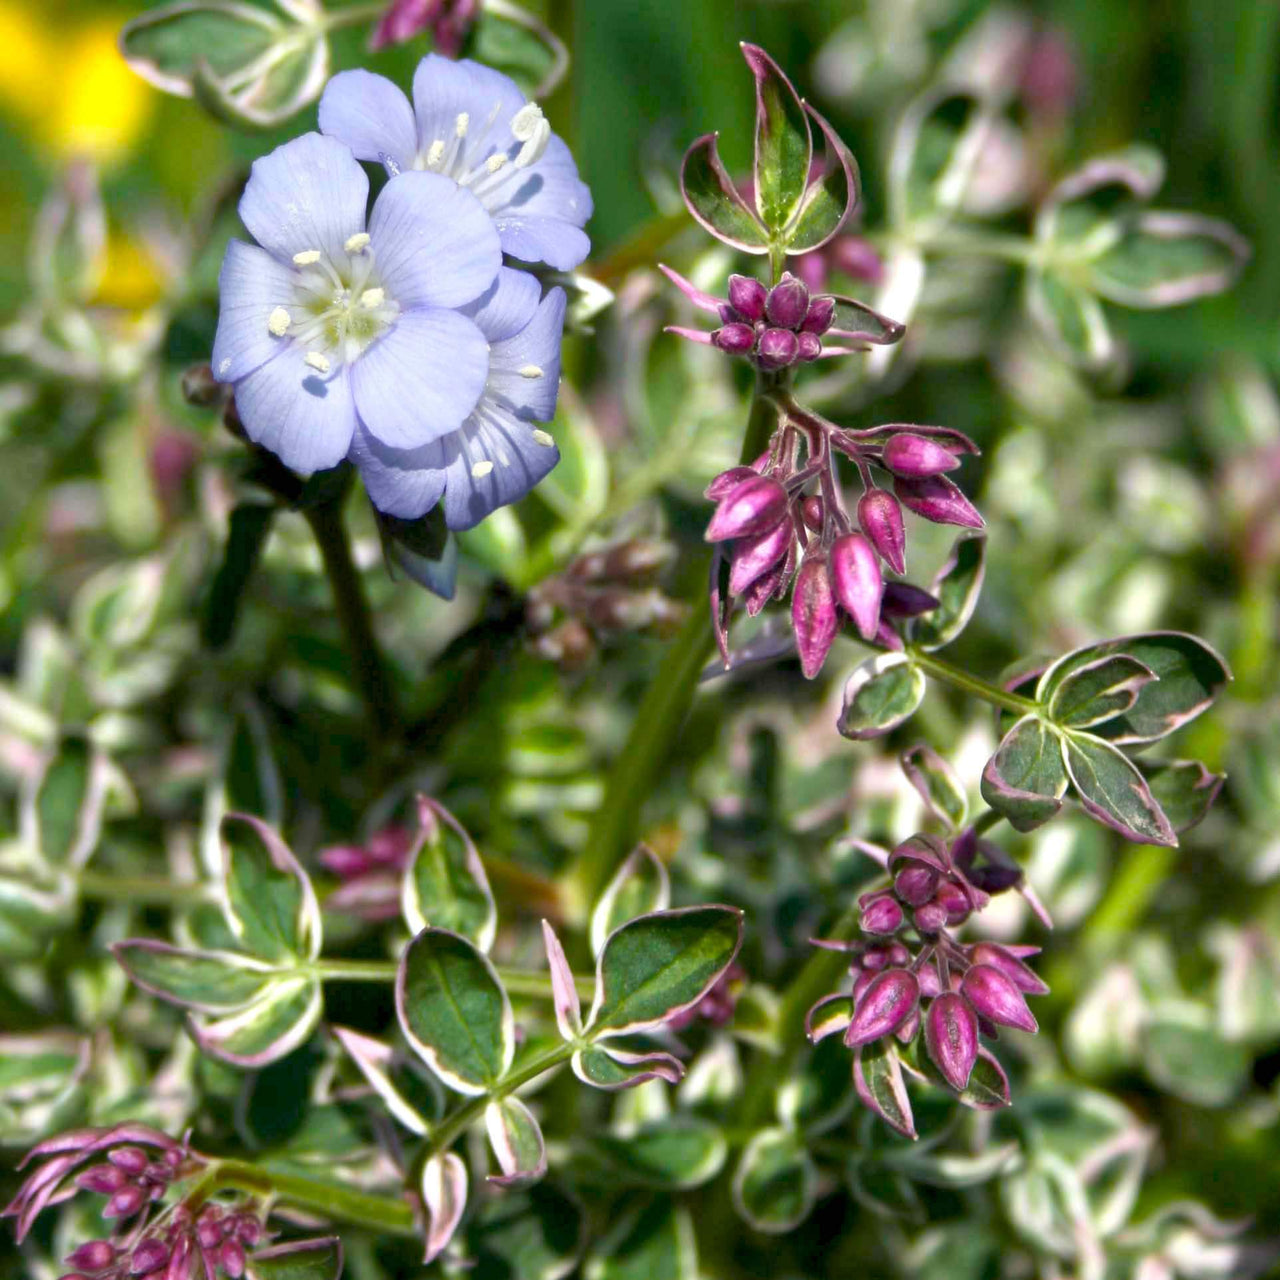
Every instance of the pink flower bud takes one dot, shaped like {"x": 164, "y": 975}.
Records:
{"x": 808, "y": 347}
{"x": 817, "y": 320}
{"x": 727, "y": 481}
{"x": 881, "y": 520}
{"x": 857, "y": 582}
{"x": 734, "y": 339}
{"x": 149, "y": 1256}
{"x": 915, "y": 456}
{"x": 873, "y": 959}
{"x": 93, "y": 1255}
{"x": 930, "y": 918}
{"x": 747, "y": 296}
{"x": 753, "y": 557}
{"x": 182, "y": 1262}
{"x": 951, "y": 1038}
{"x": 814, "y": 511}
{"x": 346, "y": 861}
{"x": 930, "y": 982}
{"x": 1021, "y": 975}
{"x": 814, "y": 617}
{"x": 884, "y": 915}
{"x": 249, "y": 1230}
{"x": 953, "y": 900}
{"x": 889, "y": 1001}
{"x": 125, "y": 1202}
{"x": 770, "y": 585}
{"x": 937, "y": 499}
{"x": 102, "y": 1179}
{"x": 994, "y": 996}
{"x": 856, "y": 258}
{"x": 788, "y": 302}
{"x": 906, "y": 1033}
{"x": 232, "y": 1259}
{"x": 209, "y": 1229}
{"x": 778, "y": 348}
{"x": 915, "y": 884}
{"x": 753, "y": 507}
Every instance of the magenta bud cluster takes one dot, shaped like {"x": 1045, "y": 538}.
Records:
{"x": 910, "y": 973}
{"x": 774, "y": 327}
{"x": 717, "y": 1006}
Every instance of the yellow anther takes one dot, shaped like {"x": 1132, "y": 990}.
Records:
{"x": 319, "y": 362}
{"x": 461, "y": 123}
{"x": 495, "y": 162}
{"x": 435, "y": 153}
{"x": 481, "y": 469}
{"x": 530, "y": 371}
{"x": 544, "y": 439}
{"x": 372, "y": 298}
{"x": 306, "y": 257}
{"x": 278, "y": 322}
{"x": 357, "y": 242}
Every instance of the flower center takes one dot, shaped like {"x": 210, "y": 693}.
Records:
{"x": 473, "y": 162}
{"x": 338, "y": 307}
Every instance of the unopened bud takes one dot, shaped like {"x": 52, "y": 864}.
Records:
{"x": 788, "y": 302}
{"x": 951, "y": 898}
{"x": 812, "y": 269}
{"x": 753, "y": 557}
{"x": 209, "y": 1229}
{"x": 734, "y": 339}
{"x": 814, "y": 617}
{"x": 914, "y": 456}
{"x": 808, "y": 347}
{"x": 902, "y": 600}
{"x": 993, "y": 996}
{"x": 930, "y": 982}
{"x": 951, "y": 1038}
{"x": 149, "y": 1256}
{"x": 747, "y": 296}
{"x": 817, "y": 320}
{"x": 1021, "y": 975}
{"x": 637, "y": 560}
{"x": 131, "y": 1159}
{"x": 93, "y": 1255}
{"x": 814, "y": 511}
{"x": 930, "y": 918}
{"x": 102, "y": 1179}
{"x": 569, "y": 645}
{"x": 881, "y": 520}
{"x": 915, "y": 884}
{"x": 727, "y": 481}
{"x": 771, "y": 585}
{"x": 232, "y": 1258}
{"x": 937, "y": 499}
{"x": 857, "y": 581}
{"x": 884, "y": 915}
{"x": 751, "y": 508}
{"x": 889, "y": 1001}
{"x": 778, "y": 348}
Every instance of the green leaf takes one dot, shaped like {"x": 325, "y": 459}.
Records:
{"x": 957, "y": 586}
{"x": 877, "y": 1076}
{"x": 660, "y": 964}
{"x": 412, "y": 1096}
{"x": 445, "y": 883}
{"x": 538, "y": 1234}
{"x": 937, "y": 784}
{"x": 1097, "y": 691}
{"x": 513, "y": 41}
{"x": 271, "y": 905}
{"x": 831, "y": 197}
{"x": 269, "y": 1028}
{"x": 318, "y": 1259}
{"x": 854, "y": 321}
{"x": 610, "y": 1068}
{"x": 207, "y": 981}
{"x": 1184, "y": 789}
{"x": 784, "y": 145}
{"x": 714, "y": 201}
{"x": 247, "y": 532}
{"x": 1186, "y": 1055}
{"x": 42, "y": 1084}
{"x": 1168, "y": 259}
{"x": 934, "y": 150}
{"x": 775, "y": 1185}
{"x": 1070, "y": 318}
{"x": 988, "y": 1087}
{"x": 284, "y": 88}
{"x": 1073, "y": 210}
{"x": 517, "y": 1142}
{"x": 658, "y": 1243}
{"x": 672, "y": 1154}
{"x": 444, "y": 1196}
{"x": 454, "y": 1011}
{"x": 1113, "y": 791}
{"x": 1026, "y": 778}
{"x": 578, "y": 487}
{"x": 639, "y": 886}
{"x": 30, "y": 914}
{"x": 881, "y": 693}
{"x": 68, "y": 802}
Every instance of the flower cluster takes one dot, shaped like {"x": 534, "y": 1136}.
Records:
{"x": 780, "y": 532}
{"x": 370, "y": 873}
{"x": 401, "y": 342}
{"x": 910, "y": 972}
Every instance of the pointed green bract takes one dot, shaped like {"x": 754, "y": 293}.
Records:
{"x": 784, "y": 145}
{"x": 266, "y": 1029}
{"x": 937, "y": 784}
{"x": 714, "y": 202}
{"x": 659, "y": 964}
{"x": 445, "y": 884}
{"x": 1113, "y": 791}
{"x": 66, "y": 809}
{"x": 517, "y": 1142}
{"x": 957, "y": 586}
{"x": 1026, "y": 778}
{"x": 270, "y": 902}
{"x": 877, "y": 1076}
{"x": 776, "y": 1183}
{"x": 832, "y": 194}
{"x": 881, "y": 693}
{"x": 454, "y": 1011}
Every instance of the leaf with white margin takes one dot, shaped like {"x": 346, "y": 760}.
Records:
{"x": 517, "y": 1142}
{"x": 937, "y": 784}
{"x": 673, "y": 1153}
{"x": 271, "y": 906}
{"x": 444, "y": 1195}
{"x": 317, "y": 1259}
{"x": 205, "y": 981}
{"x": 775, "y": 1185}
{"x": 881, "y": 693}
{"x": 377, "y": 1063}
{"x": 604, "y": 1067}
{"x": 640, "y": 885}
{"x": 268, "y": 1029}
{"x": 564, "y": 991}
{"x": 455, "y": 1012}
{"x": 831, "y": 1015}
{"x": 659, "y": 965}
{"x": 444, "y": 882}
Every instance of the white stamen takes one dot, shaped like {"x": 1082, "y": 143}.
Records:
{"x": 435, "y": 152}
{"x": 372, "y": 298}
{"x": 524, "y": 123}
{"x": 461, "y": 123}
{"x": 545, "y": 439}
{"x": 357, "y": 242}
{"x": 530, "y": 371}
{"x": 320, "y": 363}
{"x": 481, "y": 469}
{"x": 495, "y": 162}
{"x": 278, "y": 322}
{"x": 306, "y": 257}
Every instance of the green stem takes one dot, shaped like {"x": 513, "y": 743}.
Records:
{"x": 351, "y": 16}
{"x": 151, "y": 891}
{"x": 353, "y": 616}
{"x": 379, "y": 1213}
{"x": 518, "y": 982}
{"x": 984, "y": 822}
{"x": 1145, "y": 868}
{"x": 973, "y": 685}
{"x": 959, "y": 242}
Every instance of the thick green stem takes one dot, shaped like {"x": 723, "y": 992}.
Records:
{"x": 985, "y": 821}
{"x": 971, "y": 684}
{"x": 352, "y": 608}
{"x": 379, "y": 1213}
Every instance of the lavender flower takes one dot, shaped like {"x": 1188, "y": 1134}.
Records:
{"x": 329, "y": 324}
{"x": 470, "y": 124}
{"x": 497, "y": 454}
